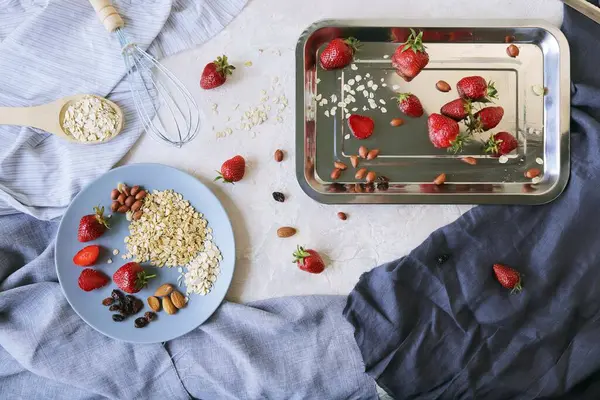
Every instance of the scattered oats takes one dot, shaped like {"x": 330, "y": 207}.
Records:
{"x": 318, "y": 97}
{"x": 352, "y": 92}
{"x": 364, "y": 108}
{"x": 367, "y": 75}
{"x": 248, "y": 63}
{"x": 348, "y": 115}
{"x": 503, "y": 159}
{"x": 202, "y": 271}
{"x": 360, "y": 88}
{"x": 396, "y": 87}
{"x": 109, "y": 261}
{"x": 355, "y": 109}
{"x": 539, "y": 161}
{"x": 353, "y": 67}
{"x": 341, "y": 104}
{"x": 386, "y": 56}
{"x": 124, "y": 257}
{"x": 333, "y": 98}
{"x": 351, "y": 82}
{"x": 358, "y": 78}
{"x": 263, "y": 92}
{"x": 371, "y": 95}
{"x": 366, "y": 93}
{"x": 384, "y": 85}
{"x": 382, "y": 79}
{"x": 537, "y": 179}
{"x": 214, "y": 108}
{"x": 369, "y": 84}
{"x": 539, "y": 90}
{"x": 327, "y": 113}
{"x": 347, "y": 136}
{"x": 236, "y": 107}
{"x": 318, "y": 80}
{"x": 530, "y": 131}
{"x": 339, "y": 78}
{"x": 375, "y": 86}
{"x": 115, "y": 252}
{"x": 383, "y": 110}
{"x": 279, "y": 119}
{"x": 333, "y": 110}
{"x": 373, "y": 105}
{"x": 325, "y": 101}
{"x": 382, "y": 101}
{"x": 346, "y": 87}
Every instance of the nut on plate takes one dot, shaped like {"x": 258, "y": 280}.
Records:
{"x": 154, "y": 303}
{"x": 141, "y": 194}
{"x": 164, "y": 290}
{"x": 361, "y": 173}
{"x": 340, "y": 165}
{"x": 363, "y": 151}
{"x": 121, "y": 198}
{"x": 335, "y": 174}
{"x": 354, "y": 161}
{"x": 123, "y": 209}
{"x": 168, "y": 305}
{"x": 129, "y": 201}
{"x": 372, "y": 154}
{"x": 286, "y": 231}
{"x": 342, "y": 216}
{"x": 278, "y": 155}
{"x": 134, "y": 190}
{"x": 371, "y": 176}
{"x": 137, "y": 215}
{"x": 443, "y": 86}
{"x": 396, "y": 122}
{"x": 114, "y": 194}
{"x": 178, "y": 299}
{"x": 440, "y": 179}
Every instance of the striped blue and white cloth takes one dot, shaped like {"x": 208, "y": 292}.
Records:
{"x": 56, "y": 48}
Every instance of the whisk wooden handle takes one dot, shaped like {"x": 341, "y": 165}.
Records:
{"x": 108, "y": 15}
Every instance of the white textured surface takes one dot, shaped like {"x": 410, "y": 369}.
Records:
{"x": 372, "y": 234}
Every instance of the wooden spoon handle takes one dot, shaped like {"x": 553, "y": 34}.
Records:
{"x": 43, "y": 117}
{"x": 108, "y": 15}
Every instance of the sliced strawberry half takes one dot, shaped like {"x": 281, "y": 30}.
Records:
{"x": 87, "y": 256}
{"x": 361, "y": 127}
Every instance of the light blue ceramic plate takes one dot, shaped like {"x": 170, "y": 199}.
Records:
{"x": 89, "y": 304}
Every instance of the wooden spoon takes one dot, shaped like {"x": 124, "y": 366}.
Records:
{"x": 48, "y": 117}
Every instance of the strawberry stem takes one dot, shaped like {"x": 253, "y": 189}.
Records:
{"x": 142, "y": 279}
{"x": 223, "y": 66}
{"x": 299, "y": 255}
{"x": 99, "y": 211}
{"x": 414, "y": 42}
{"x": 354, "y": 44}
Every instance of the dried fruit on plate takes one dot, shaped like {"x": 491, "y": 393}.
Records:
{"x": 476, "y": 88}
{"x": 410, "y": 57}
{"x": 508, "y": 277}
{"x": 131, "y": 277}
{"x": 309, "y": 260}
{"x": 361, "y": 127}
{"x": 215, "y": 73}
{"x": 232, "y": 170}
{"x": 338, "y": 53}
{"x": 500, "y": 144}
{"x": 410, "y": 105}
{"x": 91, "y": 279}
{"x": 87, "y": 256}
{"x": 92, "y": 226}
{"x": 458, "y": 109}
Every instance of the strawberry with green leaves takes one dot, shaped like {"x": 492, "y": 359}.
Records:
{"x": 458, "y": 109}
{"x": 131, "y": 277}
{"x": 444, "y": 133}
{"x": 508, "y": 277}
{"x": 92, "y": 226}
{"x": 410, "y": 105}
{"x": 476, "y": 88}
{"x": 215, "y": 73}
{"x": 486, "y": 119}
{"x": 500, "y": 144}
{"x": 410, "y": 57}
{"x": 232, "y": 170}
{"x": 309, "y": 260}
{"x": 339, "y": 53}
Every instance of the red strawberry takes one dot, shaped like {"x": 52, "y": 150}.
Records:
{"x": 338, "y": 53}
{"x": 309, "y": 260}
{"x": 501, "y": 143}
{"x": 90, "y": 279}
{"x": 92, "y": 226}
{"x": 215, "y": 73}
{"x": 410, "y": 57}
{"x": 486, "y": 119}
{"x": 87, "y": 256}
{"x": 443, "y": 131}
{"x": 457, "y": 109}
{"x": 361, "y": 127}
{"x": 410, "y": 105}
{"x": 476, "y": 88}
{"x": 131, "y": 277}
{"x": 232, "y": 170}
{"x": 508, "y": 277}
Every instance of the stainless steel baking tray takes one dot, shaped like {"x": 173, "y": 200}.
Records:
{"x": 407, "y": 160}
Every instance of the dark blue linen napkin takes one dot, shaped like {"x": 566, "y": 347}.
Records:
{"x": 450, "y": 331}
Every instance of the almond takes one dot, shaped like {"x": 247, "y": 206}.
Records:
{"x": 512, "y": 50}
{"x": 358, "y": 188}
{"x": 509, "y": 39}
{"x": 363, "y": 151}
{"x": 154, "y": 303}
{"x": 123, "y": 209}
{"x": 396, "y": 122}
{"x": 469, "y": 160}
{"x": 129, "y": 201}
{"x": 371, "y": 155}
{"x": 532, "y": 173}
{"x": 168, "y": 305}
{"x": 440, "y": 179}
{"x": 278, "y": 155}
{"x": 354, "y": 161}
{"x": 164, "y": 290}
{"x": 178, "y": 299}
{"x": 134, "y": 190}
{"x": 371, "y": 176}
{"x": 360, "y": 174}
{"x": 340, "y": 165}
{"x": 342, "y": 216}
{"x": 443, "y": 86}
{"x": 114, "y": 194}
{"x": 336, "y": 173}
{"x": 121, "y": 198}
{"x": 114, "y": 206}
{"x": 140, "y": 195}
{"x": 136, "y": 205}
{"x": 286, "y": 231}
{"x": 137, "y": 215}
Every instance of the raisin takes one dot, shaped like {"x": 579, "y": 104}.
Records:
{"x": 383, "y": 183}
{"x": 150, "y": 316}
{"x": 118, "y": 317}
{"x": 137, "y": 305}
{"x": 117, "y": 295}
{"x": 442, "y": 259}
{"x": 141, "y": 322}
{"x": 114, "y": 307}
{"x": 278, "y": 196}
{"x": 108, "y": 301}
